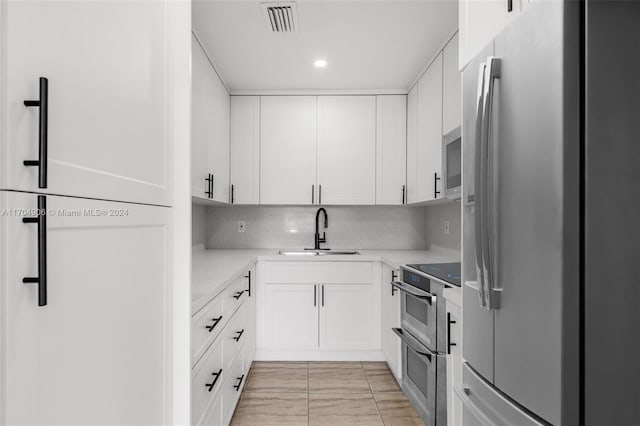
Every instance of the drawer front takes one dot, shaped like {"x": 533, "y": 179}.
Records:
{"x": 207, "y": 379}
{"x": 233, "y": 386}
{"x": 205, "y": 326}
{"x": 214, "y": 413}
{"x": 234, "y": 296}
{"x": 235, "y": 334}
{"x": 319, "y": 272}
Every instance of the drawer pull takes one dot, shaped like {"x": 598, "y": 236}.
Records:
{"x": 215, "y": 322}
{"x": 239, "y": 335}
{"x": 240, "y": 380}
{"x": 238, "y": 295}
{"x": 216, "y": 376}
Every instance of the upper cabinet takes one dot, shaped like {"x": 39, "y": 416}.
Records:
{"x": 245, "y": 150}
{"x": 451, "y": 87}
{"x": 288, "y": 150}
{"x": 424, "y": 172}
{"x": 346, "y": 149}
{"x": 210, "y": 104}
{"x": 103, "y": 94}
{"x": 391, "y": 149}
{"x": 480, "y": 21}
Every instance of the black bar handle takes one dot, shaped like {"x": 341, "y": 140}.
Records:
{"x": 315, "y": 295}
{"x": 404, "y": 193}
{"x": 435, "y": 185}
{"x": 509, "y": 5}
{"x": 248, "y": 276}
{"x": 211, "y": 186}
{"x": 394, "y": 277}
{"x": 449, "y": 322}
{"x": 209, "y": 191}
{"x": 319, "y": 194}
{"x": 237, "y": 387}
{"x": 215, "y": 322}
{"x": 41, "y": 279}
{"x": 216, "y": 376}
{"x": 239, "y": 335}
{"x": 232, "y": 194}
{"x": 238, "y": 295}
{"x": 322, "y": 294}
{"x": 313, "y": 194}
{"x": 43, "y": 132}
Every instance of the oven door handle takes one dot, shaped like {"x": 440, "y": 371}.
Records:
{"x": 416, "y": 292}
{"x": 421, "y": 350}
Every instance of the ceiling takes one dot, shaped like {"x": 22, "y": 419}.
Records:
{"x": 369, "y": 45}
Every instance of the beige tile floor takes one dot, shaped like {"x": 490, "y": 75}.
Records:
{"x": 323, "y": 393}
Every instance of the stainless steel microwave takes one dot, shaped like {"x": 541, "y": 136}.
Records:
{"x": 452, "y": 163}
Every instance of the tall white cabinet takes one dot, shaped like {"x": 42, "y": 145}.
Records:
{"x": 245, "y": 149}
{"x": 288, "y": 150}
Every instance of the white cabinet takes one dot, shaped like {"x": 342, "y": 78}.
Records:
{"x": 412, "y": 145}
{"x": 454, "y": 355}
{"x": 109, "y": 109}
{"x": 245, "y": 150}
{"x": 290, "y": 316}
{"x": 425, "y": 151}
{"x": 391, "y": 345}
{"x": 346, "y": 149}
{"x": 288, "y": 150}
{"x": 480, "y": 21}
{"x": 250, "y": 338}
{"x": 210, "y": 107}
{"x": 451, "y": 87}
{"x": 391, "y": 149}
{"x": 348, "y": 317}
{"x": 101, "y": 341}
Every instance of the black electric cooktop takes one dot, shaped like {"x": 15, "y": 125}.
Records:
{"x": 449, "y": 272}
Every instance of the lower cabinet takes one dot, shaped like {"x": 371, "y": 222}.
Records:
{"x": 291, "y": 316}
{"x": 391, "y": 345}
{"x": 454, "y": 355}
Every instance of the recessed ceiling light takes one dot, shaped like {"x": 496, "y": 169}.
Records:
{"x": 320, "y": 63}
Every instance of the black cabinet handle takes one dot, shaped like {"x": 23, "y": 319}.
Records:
{"x": 319, "y": 194}
{"x": 215, "y": 322}
{"x": 209, "y": 191}
{"x": 237, "y": 387}
{"x": 43, "y": 132}
{"x": 216, "y": 376}
{"x": 315, "y": 295}
{"x": 509, "y": 5}
{"x": 394, "y": 277}
{"x": 239, "y": 335}
{"x": 232, "y": 194}
{"x": 238, "y": 295}
{"x": 41, "y": 279}
{"x": 449, "y": 322}
{"x": 435, "y": 185}
{"x": 404, "y": 193}
{"x": 248, "y": 276}
{"x": 313, "y": 194}
{"x": 322, "y": 294}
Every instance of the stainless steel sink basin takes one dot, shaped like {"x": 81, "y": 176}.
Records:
{"x": 317, "y": 252}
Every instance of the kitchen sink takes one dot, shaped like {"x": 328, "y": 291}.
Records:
{"x": 311, "y": 252}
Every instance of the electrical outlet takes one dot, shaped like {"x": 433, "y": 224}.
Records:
{"x": 242, "y": 226}
{"x": 445, "y": 227}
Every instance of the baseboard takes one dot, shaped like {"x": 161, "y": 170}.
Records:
{"x": 291, "y": 355}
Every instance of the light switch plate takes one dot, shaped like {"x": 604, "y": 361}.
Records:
{"x": 242, "y": 225}
{"x": 445, "y": 227}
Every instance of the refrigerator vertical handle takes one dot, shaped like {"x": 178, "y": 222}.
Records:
{"x": 489, "y": 184}
{"x": 478, "y": 196}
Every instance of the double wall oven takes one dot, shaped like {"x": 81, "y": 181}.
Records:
{"x": 423, "y": 336}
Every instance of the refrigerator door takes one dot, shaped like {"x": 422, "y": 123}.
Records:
{"x": 477, "y": 346}
{"x": 527, "y": 146}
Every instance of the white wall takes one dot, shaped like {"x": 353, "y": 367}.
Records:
{"x": 371, "y": 227}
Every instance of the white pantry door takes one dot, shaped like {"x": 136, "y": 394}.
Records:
{"x": 98, "y": 351}
{"x": 107, "y": 68}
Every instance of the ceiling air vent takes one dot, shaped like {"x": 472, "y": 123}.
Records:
{"x": 281, "y": 17}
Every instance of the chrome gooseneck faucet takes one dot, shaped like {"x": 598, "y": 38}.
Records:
{"x": 322, "y": 239}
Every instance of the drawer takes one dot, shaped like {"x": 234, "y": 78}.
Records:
{"x": 213, "y": 417}
{"x": 235, "y": 334}
{"x": 206, "y": 379}
{"x": 233, "y": 386}
{"x": 205, "y": 326}
{"x": 234, "y": 295}
{"x": 319, "y": 272}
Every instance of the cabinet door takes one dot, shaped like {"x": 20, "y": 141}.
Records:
{"x": 346, "y": 149}
{"x": 245, "y": 149}
{"x": 391, "y": 345}
{"x": 454, "y": 363}
{"x": 250, "y": 339}
{"x": 391, "y": 149}
{"x": 199, "y": 117}
{"x": 101, "y": 341}
{"x": 429, "y": 142}
{"x": 412, "y": 145}
{"x": 287, "y": 149}
{"x": 108, "y": 106}
{"x": 218, "y": 105}
{"x": 348, "y": 317}
{"x": 451, "y": 87}
{"x": 291, "y": 316}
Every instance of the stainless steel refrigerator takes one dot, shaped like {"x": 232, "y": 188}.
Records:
{"x": 551, "y": 244}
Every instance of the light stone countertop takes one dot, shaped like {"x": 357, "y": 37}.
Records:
{"x": 213, "y": 270}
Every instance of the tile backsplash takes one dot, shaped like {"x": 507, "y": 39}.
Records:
{"x": 358, "y": 227}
